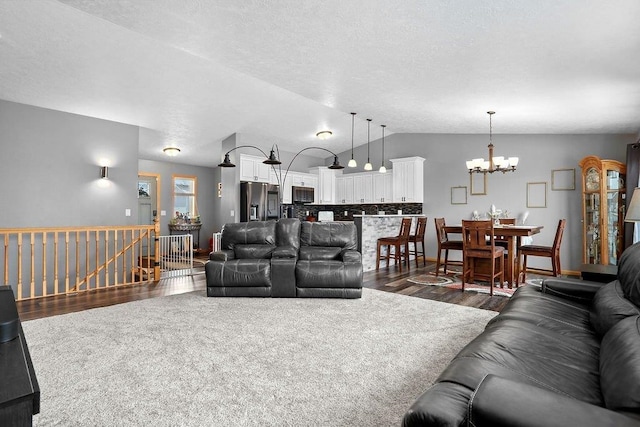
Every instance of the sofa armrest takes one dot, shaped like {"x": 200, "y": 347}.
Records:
{"x": 351, "y": 256}
{"x": 573, "y": 289}
{"x": 223, "y": 255}
{"x": 285, "y": 252}
{"x": 499, "y": 402}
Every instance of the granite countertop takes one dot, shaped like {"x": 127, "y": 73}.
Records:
{"x": 390, "y": 215}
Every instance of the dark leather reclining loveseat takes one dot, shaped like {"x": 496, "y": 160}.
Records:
{"x": 286, "y": 258}
{"x": 564, "y": 355}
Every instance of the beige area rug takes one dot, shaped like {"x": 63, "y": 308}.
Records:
{"x": 453, "y": 280}
{"x": 189, "y": 360}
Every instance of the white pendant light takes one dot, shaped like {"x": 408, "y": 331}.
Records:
{"x": 382, "y": 168}
{"x": 352, "y": 163}
{"x": 368, "y": 166}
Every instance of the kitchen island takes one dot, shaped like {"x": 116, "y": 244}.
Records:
{"x": 371, "y": 228}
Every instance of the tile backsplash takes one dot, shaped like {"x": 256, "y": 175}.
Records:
{"x": 300, "y": 209}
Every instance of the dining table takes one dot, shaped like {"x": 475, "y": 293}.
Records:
{"x": 512, "y": 234}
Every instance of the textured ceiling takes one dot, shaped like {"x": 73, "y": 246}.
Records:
{"x": 196, "y": 71}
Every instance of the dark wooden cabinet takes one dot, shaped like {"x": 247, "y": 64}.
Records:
{"x": 19, "y": 389}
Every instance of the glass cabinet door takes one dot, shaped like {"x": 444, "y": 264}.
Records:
{"x": 592, "y": 228}
{"x": 615, "y": 215}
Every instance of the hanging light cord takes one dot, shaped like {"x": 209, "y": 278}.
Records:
{"x": 383, "y": 126}
{"x": 353, "y": 116}
{"x": 368, "y": 127}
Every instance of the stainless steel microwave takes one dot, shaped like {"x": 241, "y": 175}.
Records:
{"x": 302, "y": 194}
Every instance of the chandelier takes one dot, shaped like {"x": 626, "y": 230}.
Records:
{"x": 494, "y": 164}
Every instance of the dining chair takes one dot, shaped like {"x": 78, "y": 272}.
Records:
{"x": 418, "y": 237}
{"x": 552, "y": 252}
{"x": 478, "y": 243}
{"x": 444, "y": 244}
{"x": 399, "y": 242}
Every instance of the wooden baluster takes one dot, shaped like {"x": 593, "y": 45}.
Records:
{"x": 6, "y": 259}
{"x": 55, "y": 263}
{"x": 86, "y": 262}
{"x": 19, "y": 296}
{"x": 77, "y": 259}
{"x": 106, "y": 258}
{"x": 97, "y": 270}
{"x": 44, "y": 264}
{"x": 32, "y": 287}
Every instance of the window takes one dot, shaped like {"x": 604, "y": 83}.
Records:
{"x": 185, "y": 190}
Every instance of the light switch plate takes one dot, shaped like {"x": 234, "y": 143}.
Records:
{"x": 127, "y": 212}
{"x": 163, "y": 213}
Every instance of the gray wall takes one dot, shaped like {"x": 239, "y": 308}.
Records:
{"x": 50, "y": 169}
{"x": 539, "y": 154}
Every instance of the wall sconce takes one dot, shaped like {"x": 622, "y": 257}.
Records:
{"x": 104, "y": 172}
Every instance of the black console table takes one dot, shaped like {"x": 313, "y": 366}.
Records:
{"x": 19, "y": 390}
{"x": 599, "y": 272}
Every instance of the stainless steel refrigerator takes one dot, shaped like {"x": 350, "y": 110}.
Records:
{"x": 259, "y": 201}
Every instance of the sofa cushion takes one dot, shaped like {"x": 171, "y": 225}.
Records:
{"x": 629, "y": 273}
{"x": 253, "y": 251}
{"x": 620, "y": 365}
{"x": 319, "y": 253}
{"x": 253, "y": 232}
{"x": 239, "y": 273}
{"x": 338, "y": 234}
{"x": 328, "y": 274}
{"x": 609, "y": 307}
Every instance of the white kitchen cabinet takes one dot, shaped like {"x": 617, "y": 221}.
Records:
{"x": 344, "y": 189}
{"x": 252, "y": 169}
{"x": 408, "y": 181}
{"x": 383, "y": 187}
{"x": 363, "y": 187}
{"x": 326, "y": 193}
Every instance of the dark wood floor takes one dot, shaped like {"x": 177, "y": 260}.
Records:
{"x": 388, "y": 280}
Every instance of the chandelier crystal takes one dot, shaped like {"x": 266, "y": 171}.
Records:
{"x": 495, "y": 163}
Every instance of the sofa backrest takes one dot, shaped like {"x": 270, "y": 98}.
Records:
{"x": 629, "y": 273}
{"x": 254, "y": 239}
{"x": 326, "y": 240}
{"x": 288, "y": 232}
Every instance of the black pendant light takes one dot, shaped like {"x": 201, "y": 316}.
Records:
{"x": 352, "y": 163}
{"x": 368, "y": 166}
{"x": 382, "y": 168}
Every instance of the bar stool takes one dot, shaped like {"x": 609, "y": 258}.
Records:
{"x": 444, "y": 244}
{"x": 398, "y": 242}
{"x": 418, "y": 237}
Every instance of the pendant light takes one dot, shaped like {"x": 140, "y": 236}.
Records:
{"x": 382, "y": 168}
{"x": 368, "y": 166}
{"x": 494, "y": 164}
{"x": 352, "y": 163}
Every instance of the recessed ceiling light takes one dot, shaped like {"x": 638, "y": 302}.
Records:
{"x": 171, "y": 151}
{"x": 324, "y": 134}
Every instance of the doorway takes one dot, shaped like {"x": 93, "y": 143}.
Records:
{"x": 148, "y": 204}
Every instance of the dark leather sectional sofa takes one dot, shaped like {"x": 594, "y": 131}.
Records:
{"x": 286, "y": 258}
{"x": 564, "y": 355}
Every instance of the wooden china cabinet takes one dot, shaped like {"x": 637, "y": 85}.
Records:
{"x": 603, "y": 197}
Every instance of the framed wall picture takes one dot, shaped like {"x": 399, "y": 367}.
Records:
{"x": 459, "y": 195}
{"x": 536, "y": 194}
{"x": 478, "y": 183}
{"x": 563, "y": 179}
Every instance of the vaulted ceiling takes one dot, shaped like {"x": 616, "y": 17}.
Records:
{"x": 194, "y": 72}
